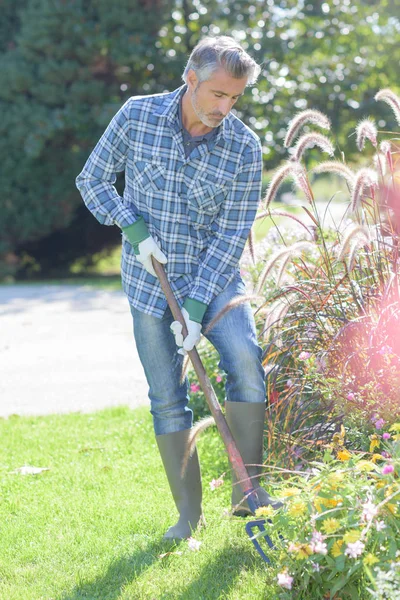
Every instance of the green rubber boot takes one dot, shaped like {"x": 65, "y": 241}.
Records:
{"x": 246, "y": 422}
{"x": 187, "y": 492}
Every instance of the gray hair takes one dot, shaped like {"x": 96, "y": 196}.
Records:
{"x": 212, "y": 53}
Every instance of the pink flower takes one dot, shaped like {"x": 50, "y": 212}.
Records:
{"x": 386, "y": 436}
{"x": 385, "y": 350}
{"x": 354, "y": 549}
{"x": 218, "y": 378}
{"x": 304, "y": 355}
{"x": 289, "y": 383}
{"x": 379, "y": 423}
{"x": 285, "y": 580}
{"x": 216, "y": 483}
{"x": 194, "y": 387}
{"x": 387, "y": 469}
{"x": 351, "y": 396}
{"x": 193, "y": 544}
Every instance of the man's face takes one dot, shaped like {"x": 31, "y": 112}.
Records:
{"x": 213, "y": 99}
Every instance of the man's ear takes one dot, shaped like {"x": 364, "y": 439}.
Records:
{"x": 191, "y": 79}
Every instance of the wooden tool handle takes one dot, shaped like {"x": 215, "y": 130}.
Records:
{"x": 205, "y": 384}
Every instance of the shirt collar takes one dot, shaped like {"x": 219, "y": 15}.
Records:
{"x": 169, "y": 109}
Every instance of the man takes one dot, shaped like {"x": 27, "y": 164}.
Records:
{"x": 192, "y": 187}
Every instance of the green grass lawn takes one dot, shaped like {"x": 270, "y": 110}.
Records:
{"x": 91, "y": 526}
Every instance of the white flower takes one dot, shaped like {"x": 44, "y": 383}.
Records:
{"x": 315, "y": 566}
{"x": 285, "y": 580}
{"x": 369, "y": 511}
{"x": 193, "y": 544}
{"x": 380, "y": 525}
{"x": 216, "y": 483}
{"x": 354, "y": 549}
{"x": 319, "y": 547}
{"x": 317, "y": 543}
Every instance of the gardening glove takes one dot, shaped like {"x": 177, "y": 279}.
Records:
{"x": 146, "y": 249}
{"x": 144, "y": 246}
{"x": 193, "y": 312}
{"x": 193, "y": 336}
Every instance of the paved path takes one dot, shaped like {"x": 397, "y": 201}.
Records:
{"x": 66, "y": 348}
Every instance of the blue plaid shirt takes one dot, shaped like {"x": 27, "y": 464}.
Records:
{"x": 199, "y": 208}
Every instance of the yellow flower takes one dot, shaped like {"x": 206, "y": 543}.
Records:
{"x": 331, "y": 502}
{"x": 336, "y": 548}
{"x": 376, "y": 457}
{"x": 297, "y": 508}
{"x": 375, "y": 442}
{"x": 289, "y": 492}
{"x": 365, "y": 466}
{"x": 344, "y": 455}
{"x": 330, "y": 525}
{"x": 370, "y": 559}
{"x": 391, "y": 489}
{"x": 392, "y": 508}
{"x": 352, "y": 536}
{"x": 396, "y": 437}
{"x": 319, "y": 504}
{"x": 322, "y": 503}
{"x": 265, "y": 511}
{"x": 395, "y": 427}
{"x": 303, "y": 551}
{"x": 335, "y": 479}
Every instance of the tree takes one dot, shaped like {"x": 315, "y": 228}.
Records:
{"x": 70, "y": 68}
{"x": 332, "y": 56}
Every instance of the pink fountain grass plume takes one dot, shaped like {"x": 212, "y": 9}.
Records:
{"x": 366, "y": 129}
{"x": 386, "y": 149}
{"x": 282, "y": 213}
{"x": 301, "y": 180}
{"x": 364, "y": 178}
{"x": 392, "y": 99}
{"x": 305, "y": 116}
{"x": 274, "y": 318}
{"x": 357, "y": 235}
{"x": 291, "y": 170}
{"x": 285, "y": 254}
{"x": 195, "y": 431}
{"x": 309, "y": 140}
{"x": 237, "y": 301}
{"x": 334, "y": 166}
{"x": 380, "y": 163}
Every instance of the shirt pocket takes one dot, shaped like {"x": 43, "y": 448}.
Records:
{"x": 205, "y": 198}
{"x": 148, "y": 172}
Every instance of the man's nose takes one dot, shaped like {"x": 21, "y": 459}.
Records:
{"x": 225, "y": 106}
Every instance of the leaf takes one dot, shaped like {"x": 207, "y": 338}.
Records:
{"x": 27, "y": 470}
{"x": 339, "y": 563}
{"x": 328, "y": 457}
{"x": 341, "y": 582}
{"x": 311, "y": 215}
{"x": 352, "y": 590}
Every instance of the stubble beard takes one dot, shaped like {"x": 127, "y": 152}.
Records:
{"x": 207, "y": 120}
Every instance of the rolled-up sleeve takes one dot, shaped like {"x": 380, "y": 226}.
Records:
{"x": 230, "y": 230}
{"x": 98, "y": 176}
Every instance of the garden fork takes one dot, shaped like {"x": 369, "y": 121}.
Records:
{"x": 233, "y": 453}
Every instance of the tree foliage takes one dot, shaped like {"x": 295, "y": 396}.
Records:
{"x": 66, "y": 67}
{"x": 71, "y": 66}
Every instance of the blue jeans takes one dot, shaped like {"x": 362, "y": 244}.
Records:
{"x": 234, "y": 338}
